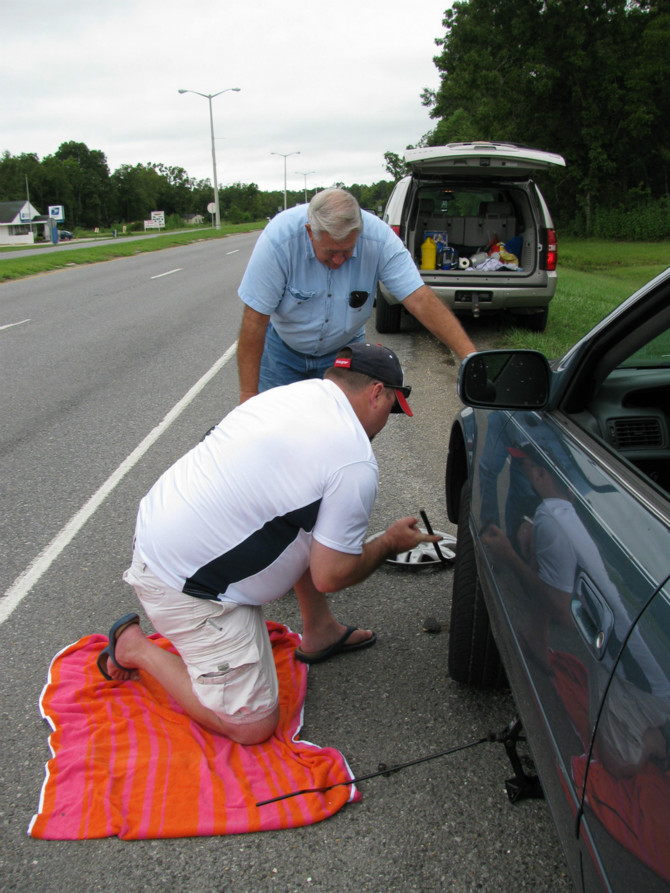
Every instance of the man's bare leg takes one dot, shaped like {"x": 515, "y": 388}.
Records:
{"x": 133, "y": 649}
{"x": 320, "y": 629}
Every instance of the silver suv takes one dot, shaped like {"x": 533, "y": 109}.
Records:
{"x": 478, "y": 228}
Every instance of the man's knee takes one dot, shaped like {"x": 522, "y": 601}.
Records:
{"x": 253, "y": 731}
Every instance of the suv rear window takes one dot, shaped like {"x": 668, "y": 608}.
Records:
{"x": 468, "y": 218}
{"x": 456, "y": 203}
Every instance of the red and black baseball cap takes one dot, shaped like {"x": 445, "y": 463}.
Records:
{"x": 379, "y": 363}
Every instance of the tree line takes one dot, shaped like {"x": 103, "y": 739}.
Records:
{"x": 79, "y": 179}
{"x": 589, "y": 79}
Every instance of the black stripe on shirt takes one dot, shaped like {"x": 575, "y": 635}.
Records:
{"x": 252, "y": 555}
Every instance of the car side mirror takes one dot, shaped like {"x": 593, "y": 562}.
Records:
{"x": 505, "y": 379}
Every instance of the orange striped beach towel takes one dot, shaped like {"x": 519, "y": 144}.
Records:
{"x": 127, "y": 761}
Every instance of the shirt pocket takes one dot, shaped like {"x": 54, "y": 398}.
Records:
{"x": 300, "y": 307}
{"x": 357, "y": 316}
{"x": 299, "y": 296}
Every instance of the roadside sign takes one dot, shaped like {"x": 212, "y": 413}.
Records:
{"x": 57, "y": 213}
{"x": 158, "y": 218}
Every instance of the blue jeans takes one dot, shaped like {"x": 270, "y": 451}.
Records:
{"x": 281, "y": 364}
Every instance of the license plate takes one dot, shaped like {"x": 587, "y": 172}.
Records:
{"x": 474, "y": 295}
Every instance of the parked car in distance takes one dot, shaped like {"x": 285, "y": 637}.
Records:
{"x": 558, "y": 476}
{"x": 65, "y": 235}
{"x": 462, "y": 201}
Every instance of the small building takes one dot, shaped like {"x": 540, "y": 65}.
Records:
{"x": 19, "y": 221}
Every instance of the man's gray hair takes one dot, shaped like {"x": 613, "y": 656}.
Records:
{"x": 336, "y": 212}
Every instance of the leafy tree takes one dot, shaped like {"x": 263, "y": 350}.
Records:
{"x": 585, "y": 78}
{"x": 14, "y": 170}
{"x": 241, "y": 203}
{"x": 372, "y": 197}
{"x": 136, "y": 192}
{"x": 395, "y": 165}
{"x": 87, "y": 173}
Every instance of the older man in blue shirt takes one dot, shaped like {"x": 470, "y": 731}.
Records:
{"x": 309, "y": 289}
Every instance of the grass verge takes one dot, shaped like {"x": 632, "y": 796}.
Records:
{"x": 594, "y": 277}
{"x": 17, "y": 267}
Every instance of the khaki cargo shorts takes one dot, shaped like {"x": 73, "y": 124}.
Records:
{"x": 225, "y": 646}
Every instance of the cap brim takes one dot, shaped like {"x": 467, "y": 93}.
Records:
{"x": 401, "y": 404}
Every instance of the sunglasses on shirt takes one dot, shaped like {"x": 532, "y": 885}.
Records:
{"x": 357, "y": 299}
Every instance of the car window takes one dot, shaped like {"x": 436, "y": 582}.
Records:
{"x": 457, "y": 202}
{"x": 631, "y": 408}
{"x": 655, "y": 354}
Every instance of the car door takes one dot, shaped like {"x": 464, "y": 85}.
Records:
{"x": 574, "y": 536}
{"x": 626, "y": 806}
{"x": 555, "y": 530}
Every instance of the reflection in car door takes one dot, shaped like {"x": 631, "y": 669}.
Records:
{"x": 576, "y": 561}
{"x": 627, "y": 793}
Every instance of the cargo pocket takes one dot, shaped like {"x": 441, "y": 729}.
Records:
{"x": 234, "y": 682}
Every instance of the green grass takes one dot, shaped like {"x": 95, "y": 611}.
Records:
{"x": 594, "y": 277}
{"x": 18, "y": 267}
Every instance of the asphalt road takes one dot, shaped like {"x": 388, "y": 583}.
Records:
{"x": 93, "y": 361}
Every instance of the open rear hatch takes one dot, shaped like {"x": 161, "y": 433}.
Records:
{"x": 483, "y": 159}
{"x": 468, "y": 201}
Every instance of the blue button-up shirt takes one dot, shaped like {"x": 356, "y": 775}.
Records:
{"x": 307, "y": 302}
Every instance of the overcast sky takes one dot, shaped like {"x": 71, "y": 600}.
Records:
{"x": 340, "y": 82}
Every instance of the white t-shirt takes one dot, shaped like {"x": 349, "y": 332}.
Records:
{"x": 234, "y": 518}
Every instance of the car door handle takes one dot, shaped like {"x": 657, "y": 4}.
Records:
{"x": 592, "y": 615}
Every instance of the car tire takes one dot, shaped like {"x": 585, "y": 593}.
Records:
{"x": 534, "y": 322}
{"x": 473, "y": 654}
{"x": 387, "y": 319}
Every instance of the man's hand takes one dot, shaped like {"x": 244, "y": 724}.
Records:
{"x": 332, "y": 570}
{"x": 439, "y": 319}
{"x": 404, "y": 535}
{"x": 498, "y": 544}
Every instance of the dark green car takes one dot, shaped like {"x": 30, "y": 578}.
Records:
{"x": 558, "y": 476}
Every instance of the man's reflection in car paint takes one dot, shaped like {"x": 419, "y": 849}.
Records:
{"x": 548, "y": 552}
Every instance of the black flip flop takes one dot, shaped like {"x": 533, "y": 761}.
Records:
{"x": 108, "y": 653}
{"x": 339, "y": 647}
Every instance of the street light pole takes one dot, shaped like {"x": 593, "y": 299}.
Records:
{"x": 304, "y": 174}
{"x": 209, "y": 97}
{"x": 285, "y": 156}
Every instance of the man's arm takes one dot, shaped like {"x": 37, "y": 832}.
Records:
{"x": 250, "y": 344}
{"x": 438, "y": 319}
{"x": 332, "y": 570}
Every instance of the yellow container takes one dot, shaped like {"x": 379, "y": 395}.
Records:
{"x": 429, "y": 254}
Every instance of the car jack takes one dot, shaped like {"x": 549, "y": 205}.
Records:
{"x": 521, "y": 786}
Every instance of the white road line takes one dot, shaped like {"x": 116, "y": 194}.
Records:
{"x": 10, "y": 324}
{"x": 40, "y": 565}
{"x": 169, "y": 273}
{"x": 233, "y": 252}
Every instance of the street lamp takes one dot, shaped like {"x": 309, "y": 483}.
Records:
{"x": 304, "y": 174}
{"x": 285, "y": 157}
{"x": 209, "y": 97}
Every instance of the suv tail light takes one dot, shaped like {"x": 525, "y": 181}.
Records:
{"x": 550, "y": 249}
{"x": 396, "y": 229}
